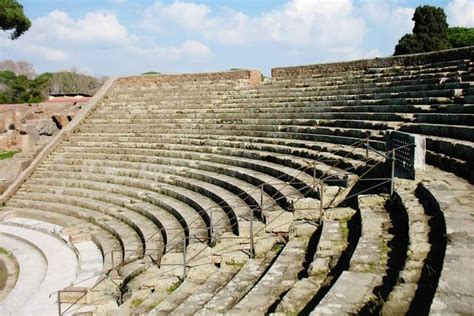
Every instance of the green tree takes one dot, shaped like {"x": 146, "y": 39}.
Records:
{"x": 19, "y": 89}
{"x": 460, "y": 36}
{"x": 13, "y": 18}
{"x": 429, "y": 34}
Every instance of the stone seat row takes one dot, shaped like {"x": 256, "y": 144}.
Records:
{"x": 280, "y": 163}
{"x": 343, "y": 91}
{"x": 402, "y": 85}
{"x": 371, "y": 74}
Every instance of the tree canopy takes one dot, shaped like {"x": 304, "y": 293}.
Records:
{"x": 18, "y": 88}
{"x": 429, "y": 34}
{"x": 460, "y": 36}
{"x": 12, "y": 18}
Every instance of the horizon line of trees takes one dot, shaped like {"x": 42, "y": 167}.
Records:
{"x": 20, "y": 84}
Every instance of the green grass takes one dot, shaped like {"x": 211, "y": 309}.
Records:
{"x": 7, "y": 154}
{"x": 137, "y": 301}
{"x": 173, "y": 287}
{"x": 344, "y": 231}
{"x": 3, "y": 274}
{"x": 277, "y": 247}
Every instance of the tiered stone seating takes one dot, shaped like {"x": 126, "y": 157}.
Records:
{"x": 368, "y": 264}
{"x": 172, "y": 168}
{"x": 46, "y": 265}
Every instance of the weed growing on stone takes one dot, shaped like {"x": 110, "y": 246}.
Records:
{"x": 234, "y": 262}
{"x": 173, "y": 287}
{"x": 277, "y": 248}
{"x": 7, "y": 154}
{"x": 344, "y": 231}
{"x": 137, "y": 301}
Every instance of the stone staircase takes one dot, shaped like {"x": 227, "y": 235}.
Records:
{"x": 164, "y": 182}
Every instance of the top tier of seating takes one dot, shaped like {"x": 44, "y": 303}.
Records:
{"x": 174, "y": 168}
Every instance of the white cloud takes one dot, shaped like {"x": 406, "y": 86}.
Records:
{"x": 299, "y": 22}
{"x": 190, "y": 50}
{"x": 186, "y": 14}
{"x": 19, "y": 48}
{"x": 461, "y": 13}
{"x": 196, "y": 49}
{"x": 95, "y": 26}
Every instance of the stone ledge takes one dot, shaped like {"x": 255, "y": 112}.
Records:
{"x": 406, "y": 60}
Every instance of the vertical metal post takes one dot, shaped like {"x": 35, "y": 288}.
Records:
{"x": 314, "y": 176}
{"x": 252, "y": 247}
{"x": 211, "y": 229}
{"x": 366, "y": 151}
{"x": 112, "y": 257}
{"x": 321, "y": 195}
{"x": 261, "y": 196}
{"x": 184, "y": 258}
{"x": 59, "y": 303}
{"x": 392, "y": 177}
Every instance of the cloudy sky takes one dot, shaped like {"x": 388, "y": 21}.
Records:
{"x": 119, "y": 37}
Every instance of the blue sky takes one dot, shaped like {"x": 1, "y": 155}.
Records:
{"x": 121, "y": 37}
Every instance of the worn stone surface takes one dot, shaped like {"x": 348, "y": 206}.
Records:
{"x": 455, "y": 293}
{"x": 159, "y": 154}
{"x": 307, "y": 209}
{"x": 280, "y": 277}
{"x": 347, "y": 296}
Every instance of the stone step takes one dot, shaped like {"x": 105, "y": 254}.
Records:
{"x": 282, "y": 109}
{"x": 354, "y": 121}
{"x": 282, "y": 95}
{"x": 403, "y": 86}
{"x": 402, "y": 295}
{"x": 205, "y": 292}
{"x": 77, "y": 230}
{"x": 281, "y": 276}
{"x": 444, "y": 118}
{"x": 170, "y": 229}
{"x": 348, "y": 158}
{"x": 342, "y": 95}
{"x": 325, "y": 138}
{"x": 89, "y": 256}
{"x": 226, "y": 129}
{"x": 127, "y": 237}
{"x": 325, "y": 152}
{"x": 184, "y": 171}
{"x": 292, "y": 169}
{"x": 348, "y": 293}
{"x": 447, "y": 98}
{"x": 276, "y": 190}
{"x": 223, "y": 216}
{"x": 459, "y": 167}
{"x": 192, "y": 221}
{"x": 442, "y": 130}
{"x": 368, "y": 264}
{"x": 148, "y": 231}
{"x": 46, "y": 265}
{"x": 283, "y": 115}
{"x": 450, "y": 200}
{"x": 459, "y": 149}
{"x": 361, "y": 76}
{"x": 332, "y": 244}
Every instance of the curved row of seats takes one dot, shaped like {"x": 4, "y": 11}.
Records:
{"x": 168, "y": 175}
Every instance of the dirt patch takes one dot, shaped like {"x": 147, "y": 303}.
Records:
{"x": 3, "y": 274}
{"x": 9, "y": 271}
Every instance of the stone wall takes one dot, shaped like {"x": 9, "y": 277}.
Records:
{"x": 36, "y": 120}
{"x": 253, "y": 77}
{"x": 406, "y": 60}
